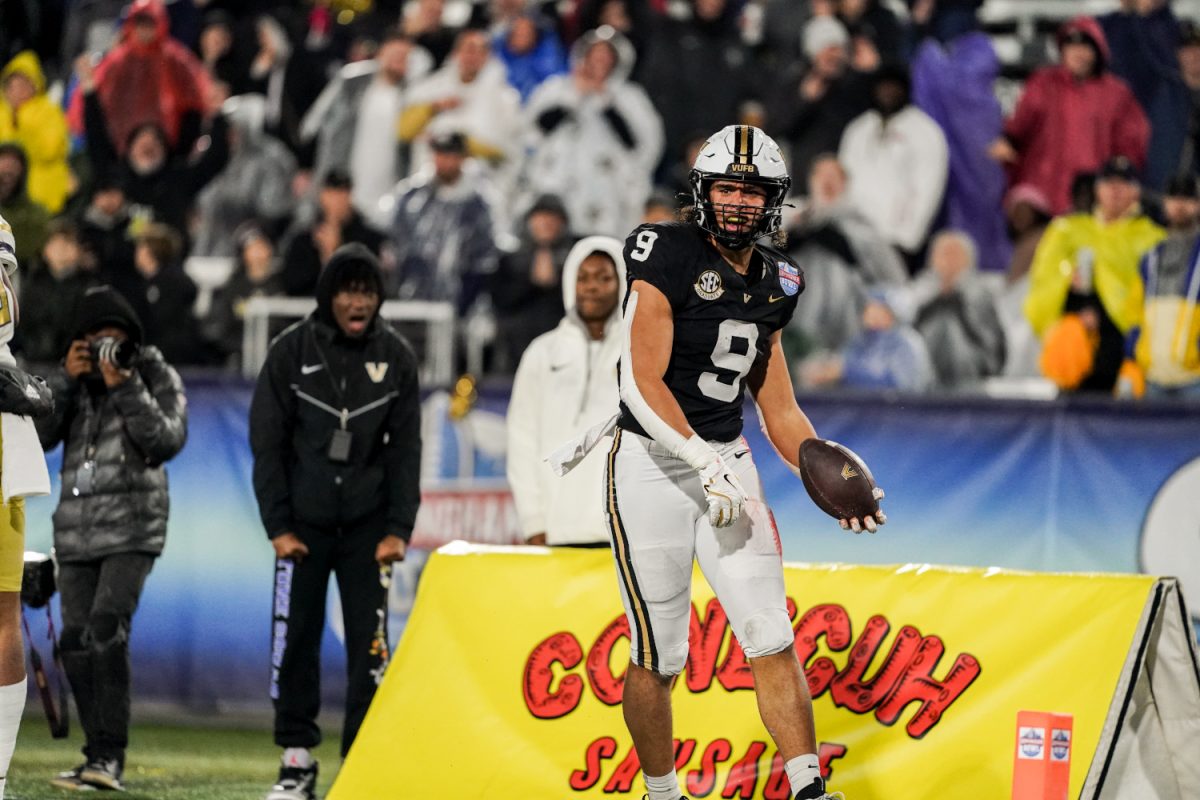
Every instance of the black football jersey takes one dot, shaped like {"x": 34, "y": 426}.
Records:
{"x": 723, "y": 320}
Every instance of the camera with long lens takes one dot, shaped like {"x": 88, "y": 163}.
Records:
{"x": 121, "y": 353}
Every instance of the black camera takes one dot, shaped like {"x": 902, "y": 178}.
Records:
{"x": 121, "y": 353}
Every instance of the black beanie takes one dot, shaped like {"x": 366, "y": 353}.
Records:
{"x": 351, "y": 265}
{"x": 101, "y": 306}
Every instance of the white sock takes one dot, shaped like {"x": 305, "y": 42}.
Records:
{"x": 802, "y": 771}
{"x": 292, "y": 757}
{"x": 12, "y": 704}
{"x": 664, "y": 788}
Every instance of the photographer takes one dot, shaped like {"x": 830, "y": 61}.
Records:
{"x": 120, "y": 414}
{"x": 335, "y": 428}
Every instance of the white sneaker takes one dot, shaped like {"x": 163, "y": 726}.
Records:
{"x": 295, "y": 783}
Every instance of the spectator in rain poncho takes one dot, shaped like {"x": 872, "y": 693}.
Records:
{"x": 29, "y": 116}
{"x": 959, "y": 323}
{"x": 354, "y": 122}
{"x": 596, "y": 138}
{"x": 149, "y": 78}
{"x": 443, "y": 231}
{"x": 469, "y": 95}
{"x": 531, "y": 52}
{"x": 1072, "y": 117}
{"x": 843, "y": 255}
{"x": 256, "y": 183}
{"x": 953, "y": 85}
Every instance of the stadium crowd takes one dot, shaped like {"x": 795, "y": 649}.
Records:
{"x": 469, "y": 143}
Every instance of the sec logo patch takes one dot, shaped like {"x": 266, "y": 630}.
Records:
{"x": 709, "y": 285}
{"x": 789, "y": 278}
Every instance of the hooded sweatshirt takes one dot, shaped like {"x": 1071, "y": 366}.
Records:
{"x": 596, "y": 151}
{"x": 40, "y": 127}
{"x": 1064, "y": 125}
{"x": 566, "y": 383}
{"x": 317, "y": 381}
{"x": 897, "y": 164}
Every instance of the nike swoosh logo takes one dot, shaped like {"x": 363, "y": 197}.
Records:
{"x": 309, "y": 369}
{"x": 774, "y": 299}
{"x": 742, "y": 453}
{"x": 557, "y": 367}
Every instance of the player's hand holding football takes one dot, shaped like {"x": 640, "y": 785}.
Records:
{"x": 870, "y": 522}
{"x": 841, "y": 485}
{"x": 722, "y": 489}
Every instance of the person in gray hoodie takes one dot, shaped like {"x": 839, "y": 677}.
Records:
{"x": 256, "y": 183}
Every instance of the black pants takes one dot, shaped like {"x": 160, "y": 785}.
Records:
{"x": 299, "y": 621}
{"x": 98, "y": 601}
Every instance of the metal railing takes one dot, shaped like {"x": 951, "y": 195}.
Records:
{"x": 437, "y": 354}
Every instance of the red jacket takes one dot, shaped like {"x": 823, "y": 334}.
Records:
{"x": 156, "y": 83}
{"x": 1064, "y": 126}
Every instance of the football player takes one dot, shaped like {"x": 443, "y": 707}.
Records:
{"x": 703, "y": 315}
{"x": 22, "y": 474}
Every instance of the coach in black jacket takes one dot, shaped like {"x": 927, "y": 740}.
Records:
{"x": 335, "y": 431}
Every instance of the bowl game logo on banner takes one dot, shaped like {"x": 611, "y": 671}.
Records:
{"x": 1032, "y": 743}
{"x": 1060, "y": 745}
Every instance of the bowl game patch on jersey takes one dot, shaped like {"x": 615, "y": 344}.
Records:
{"x": 789, "y": 278}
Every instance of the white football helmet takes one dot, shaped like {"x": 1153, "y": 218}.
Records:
{"x": 8, "y": 297}
{"x": 740, "y": 153}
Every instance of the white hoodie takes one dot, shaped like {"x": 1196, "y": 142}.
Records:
{"x": 564, "y": 386}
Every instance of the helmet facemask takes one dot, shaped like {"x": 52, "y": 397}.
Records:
{"x": 743, "y": 155}
{"x": 764, "y": 220}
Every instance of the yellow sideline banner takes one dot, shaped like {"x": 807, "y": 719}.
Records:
{"x": 507, "y": 681}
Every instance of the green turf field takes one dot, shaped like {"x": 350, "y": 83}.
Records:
{"x": 164, "y": 763}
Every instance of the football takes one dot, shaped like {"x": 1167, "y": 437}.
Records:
{"x": 837, "y": 480}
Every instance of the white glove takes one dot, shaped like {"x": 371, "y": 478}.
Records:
{"x": 722, "y": 489}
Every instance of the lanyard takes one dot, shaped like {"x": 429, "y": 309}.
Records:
{"x": 339, "y": 391}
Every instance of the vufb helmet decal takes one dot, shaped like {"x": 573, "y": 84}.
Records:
{"x": 743, "y": 161}
{"x": 745, "y": 154}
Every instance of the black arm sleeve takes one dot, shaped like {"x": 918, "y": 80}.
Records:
{"x": 620, "y": 127}
{"x": 95, "y": 130}
{"x": 272, "y": 415}
{"x": 402, "y": 456}
{"x": 551, "y": 118}
{"x": 210, "y": 163}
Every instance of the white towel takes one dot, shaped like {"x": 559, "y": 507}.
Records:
{"x": 23, "y": 469}
{"x": 567, "y": 455}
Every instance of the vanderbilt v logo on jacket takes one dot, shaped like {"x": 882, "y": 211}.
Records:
{"x": 377, "y": 370}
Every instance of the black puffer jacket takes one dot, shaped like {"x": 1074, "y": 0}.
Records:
{"x": 312, "y": 373}
{"x": 129, "y": 431}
